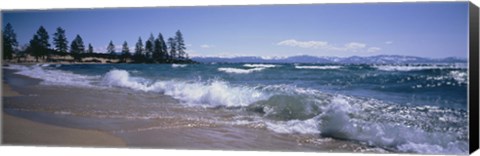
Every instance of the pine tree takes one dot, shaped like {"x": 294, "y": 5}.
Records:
{"x": 60, "y": 40}
{"x": 90, "y": 48}
{"x": 157, "y": 51}
{"x": 77, "y": 47}
{"x": 138, "y": 55}
{"x": 9, "y": 41}
{"x": 151, "y": 39}
{"x": 160, "y": 52}
{"x": 173, "y": 48}
{"x": 39, "y": 45}
{"x": 149, "y": 47}
{"x": 111, "y": 48}
{"x": 180, "y": 45}
{"x": 125, "y": 51}
{"x": 164, "y": 47}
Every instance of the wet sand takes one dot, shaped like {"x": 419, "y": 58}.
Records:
{"x": 141, "y": 120}
{"x": 7, "y": 91}
{"x": 18, "y": 131}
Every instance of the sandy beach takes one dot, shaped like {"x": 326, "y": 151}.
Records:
{"x": 19, "y": 131}
{"x": 117, "y": 118}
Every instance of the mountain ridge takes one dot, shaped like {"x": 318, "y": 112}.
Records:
{"x": 377, "y": 59}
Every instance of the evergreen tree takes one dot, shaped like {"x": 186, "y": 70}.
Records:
{"x": 156, "y": 55}
{"x": 9, "y": 41}
{"x": 173, "y": 48}
{"x": 39, "y": 45}
{"x": 138, "y": 55}
{"x": 60, "y": 40}
{"x": 180, "y": 45}
{"x": 125, "y": 51}
{"x": 149, "y": 46}
{"x": 151, "y": 39}
{"x": 77, "y": 47}
{"x": 111, "y": 48}
{"x": 90, "y": 48}
{"x": 160, "y": 52}
{"x": 148, "y": 49}
{"x": 164, "y": 47}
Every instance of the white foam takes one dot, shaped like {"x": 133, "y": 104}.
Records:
{"x": 179, "y": 65}
{"x": 239, "y": 71}
{"x": 121, "y": 78}
{"x": 453, "y": 148}
{"x": 53, "y": 77}
{"x": 459, "y": 76}
{"x": 411, "y": 67}
{"x": 317, "y": 67}
{"x": 309, "y": 126}
{"x": 44, "y": 65}
{"x": 206, "y": 94}
{"x": 338, "y": 120}
{"x": 260, "y": 65}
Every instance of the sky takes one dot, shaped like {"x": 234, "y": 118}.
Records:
{"x": 433, "y": 30}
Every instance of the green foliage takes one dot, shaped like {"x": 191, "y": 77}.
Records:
{"x": 125, "y": 52}
{"x": 60, "y": 40}
{"x": 90, "y": 48}
{"x": 39, "y": 45}
{"x": 160, "y": 50}
{"x": 111, "y": 48}
{"x": 77, "y": 47}
{"x": 138, "y": 56}
{"x": 180, "y": 46}
{"x": 173, "y": 48}
{"x": 155, "y": 50}
{"x": 149, "y": 48}
{"x": 9, "y": 41}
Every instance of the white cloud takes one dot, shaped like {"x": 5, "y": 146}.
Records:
{"x": 352, "y": 46}
{"x": 303, "y": 44}
{"x": 388, "y": 42}
{"x": 206, "y": 46}
{"x": 373, "y": 49}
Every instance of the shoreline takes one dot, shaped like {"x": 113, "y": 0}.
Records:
{"x": 172, "y": 126}
{"x": 20, "y": 131}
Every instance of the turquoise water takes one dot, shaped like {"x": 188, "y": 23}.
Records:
{"x": 420, "y": 108}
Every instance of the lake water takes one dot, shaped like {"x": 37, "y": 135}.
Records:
{"x": 417, "y": 108}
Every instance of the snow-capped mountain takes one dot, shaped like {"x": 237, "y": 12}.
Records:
{"x": 379, "y": 59}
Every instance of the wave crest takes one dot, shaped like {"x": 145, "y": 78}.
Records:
{"x": 179, "y": 65}
{"x": 238, "y": 70}
{"x": 53, "y": 76}
{"x": 206, "y": 94}
{"x": 317, "y": 67}
{"x": 260, "y": 65}
{"x": 414, "y": 67}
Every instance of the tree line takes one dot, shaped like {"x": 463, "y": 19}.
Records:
{"x": 153, "y": 50}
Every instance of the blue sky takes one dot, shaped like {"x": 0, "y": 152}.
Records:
{"x": 432, "y": 30}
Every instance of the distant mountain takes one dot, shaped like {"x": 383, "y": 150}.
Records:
{"x": 379, "y": 59}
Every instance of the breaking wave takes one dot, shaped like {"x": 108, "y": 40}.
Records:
{"x": 414, "y": 67}
{"x": 239, "y": 70}
{"x": 207, "y": 94}
{"x": 459, "y": 76}
{"x": 291, "y": 109}
{"x": 53, "y": 76}
{"x": 317, "y": 67}
{"x": 260, "y": 65}
{"x": 179, "y": 65}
